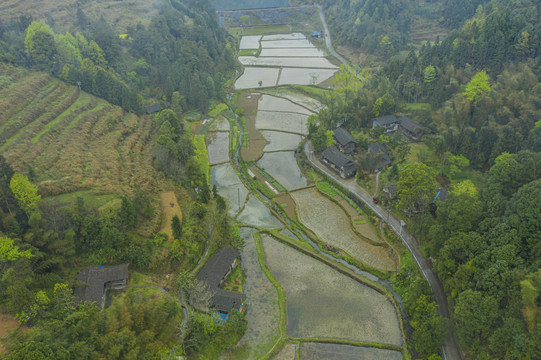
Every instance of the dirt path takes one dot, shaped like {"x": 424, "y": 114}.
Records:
{"x": 450, "y": 345}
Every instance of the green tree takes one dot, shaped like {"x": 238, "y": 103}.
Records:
{"x": 347, "y": 80}
{"x": 416, "y": 188}
{"x": 429, "y": 74}
{"x": 10, "y": 252}
{"x": 176, "y": 227}
{"x": 127, "y": 213}
{"x": 429, "y": 327}
{"x": 25, "y": 192}
{"x": 478, "y": 86}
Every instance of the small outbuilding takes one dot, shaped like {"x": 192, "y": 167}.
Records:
{"x": 152, "y": 109}
{"x": 94, "y": 281}
{"x": 336, "y": 160}
{"x": 316, "y": 34}
{"x": 345, "y": 142}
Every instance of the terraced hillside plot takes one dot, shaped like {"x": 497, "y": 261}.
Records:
{"x": 220, "y": 124}
{"x": 249, "y": 42}
{"x": 280, "y": 141}
{"x": 331, "y": 224}
{"x": 292, "y": 52}
{"x": 73, "y": 140}
{"x": 252, "y": 76}
{"x": 299, "y": 43}
{"x": 282, "y": 121}
{"x": 262, "y": 300}
{"x": 229, "y": 186}
{"x": 300, "y": 62}
{"x": 292, "y": 36}
{"x": 297, "y": 76}
{"x": 257, "y": 214}
{"x": 319, "y": 351}
{"x": 321, "y": 302}
{"x": 218, "y": 147}
{"x": 284, "y": 168}
{"x": 273, "y": 103}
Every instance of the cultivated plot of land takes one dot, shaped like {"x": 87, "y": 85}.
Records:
{"x": 301, "y": 52}
{"x": 262, "y": 300}
{"x": 288, "y": 205}
{"x": 257, "y": 214}
{"x": 360, "y": 223}
{"x": 273, "y": 103}
{"x": 298, "y": 76}
{"x": 300, "y": 62}
{"x": 229, "y": 186}
{"x": 292, "y": 36}
{"x": 284, "y": 168}
{"x": 321, "y": 302}
{"x": 298, "y": 98}
{"x": 170, "y": 208}
{"x": 288, "y": 352}
{"x": 282, "y": 121}
{"x": 218, "y": 147}
{"x": 299, "y": 43}
{"x": 220, "y": 124}
{"x": 252, "y": 76}
{"x": 280, "y": 141}
{"x": 249, "y": 42}
{"x": 256, "y": 142}
{"x": 318, "y": 351}
{"x": 331, "y": 224}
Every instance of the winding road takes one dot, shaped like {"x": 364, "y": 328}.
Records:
{"x": 327, "y": 36}
{"x": 450, "y": 348}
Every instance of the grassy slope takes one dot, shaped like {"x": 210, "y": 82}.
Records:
{"x": 73, "y": 141}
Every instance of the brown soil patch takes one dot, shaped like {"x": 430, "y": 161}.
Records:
{"x": 170, "y": 208}
{"x": 256, "y": 143}
{"x": 287, "y": 203}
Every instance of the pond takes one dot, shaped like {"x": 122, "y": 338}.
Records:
{"x": 321, "y": 302}
{"x": 229, "y": 186}
{"x": 282, "y": 121}
{"x": 280, "y": 141}
{"x": 284, "y": 168}
{"x": 304, "y": 76}
{"x": 262, "y": 300}
{"x": 301, "y": 52}
{"x": 331, "y": 224}
{"x": 249, "y": 42}
{"x": 218, "y": 147}
{"x": 257, "y": 214}
{"x": 273, "y": 103}
{"x": 320, "y": 351}
{"x": 299, "y": 43}
{"x": 313, "y": 62}
{"x": 292, "y": 36}
{"x": 252, "y": 76}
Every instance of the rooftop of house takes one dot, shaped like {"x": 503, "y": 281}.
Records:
{"x": 225, "y": 301}
{"x": 409, "y": 124}
{"x": 343, "y": 137}
{"x": 217, "y": 266}
{"x": 376, "y": 149}
{"x": 92, "y": 280}
{"x": 333, "y": 155}
{"x": 386, "y": 120}
{"x": 152, "y": 109}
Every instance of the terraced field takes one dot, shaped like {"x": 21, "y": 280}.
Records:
{"x": 72, "y": 140}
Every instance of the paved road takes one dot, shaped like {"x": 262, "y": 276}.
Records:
{"x": 327, "y": 35}
{"x": 450, "y": 344}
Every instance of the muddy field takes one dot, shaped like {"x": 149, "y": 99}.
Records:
{"x": 252, "y": 76}
{"x": 299, "y": 76}
{"x": 257, "y": 214}
{"x": 284, "y": 168}
{"x": 218, "y": 147}
{"x": 333, "y": 227}
{"x": 262, "y": 300}
{"x": 321, "y": 302}
{"x": 280, "y": 141}
{"x": 288, "y": 205}
{"x": 282, "y": 121}
{"x": 229, "y": 187}
{"x": 249, "y": 42}
{"x": 360, "y": 223}
{"x": 315, "y": 351}
{"x": 292, "y": 36}
{"x": 288, "y": 352}
{"x": 220, "y": 124}
{"x": 278, "y": 104}
{"x": 299, "y": 62}
{"x": 256, "y": 142}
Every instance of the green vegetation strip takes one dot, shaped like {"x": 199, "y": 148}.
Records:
{"x": 218, "y": 110}
{"x": 346, "y": 342}
{"x": 281, "y": 299}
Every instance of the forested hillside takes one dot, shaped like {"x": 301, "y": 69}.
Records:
{"x": 477, "y": 94}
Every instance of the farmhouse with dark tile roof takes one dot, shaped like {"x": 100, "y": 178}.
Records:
{"x": 345, "y": 142}
{"x": 152, "y": 109}
{"x": 408, "y": 127}
{"x": 378, "y": 157}
{"x": 94, "y": 281}
{"x": 342, "y": 164}
{"x": 214, "y": 273}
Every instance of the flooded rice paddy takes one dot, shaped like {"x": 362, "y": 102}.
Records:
{"x": 298, "y": 76}
{"x": 291, "y": 36}
{"x": 331, "y": 224}
{"x": 249, "y": 42}
{"x": 301, "y": 52}
{"x": 280, "y": 141}
{"x": 284, "y": 168}
{"x": 257, "y": 214}
{"x": 278, "y": 104}
{"x": 262, "y": 300}
{"x": 288, "y": 352}
{"x": 220, "y": 124}
{"x": 218, "y": 147}
{"x": 313, "y": 62}
{"x": 297, "y": 43}
{"x": 282, "y": 121}
{"x": 318, "y": 351}
{"x": 321, "y": 302}
{"x": 229, "y": 186}
{"x": 252, "y": 77}
{"x": 301, "y": 99}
